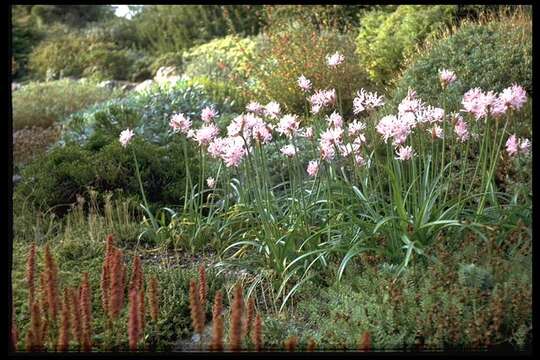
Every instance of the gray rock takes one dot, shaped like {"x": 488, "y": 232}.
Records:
{"x": 167, "y": 75}
{"x": 145, "y": 85}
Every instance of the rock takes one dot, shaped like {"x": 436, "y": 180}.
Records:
{"x": 167, "y": 75}
{"x": 114, "y": 84}
{"x": 109, "y": 84}
{"x": 145, "y": 85}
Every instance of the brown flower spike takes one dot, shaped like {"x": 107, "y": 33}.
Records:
{"x": 197, "y": 315}
{"x": 217, "y": 323}
{"x": 235, "y": 333}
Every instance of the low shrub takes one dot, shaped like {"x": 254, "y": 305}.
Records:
{"x": 55, "y": 179}
{"x": 490, "y": 55}
{"x": 30, "y": 142}
{"x": 43, "y": 104}
{"x": 298, "y": 49}
{"x": 386, "y": 38}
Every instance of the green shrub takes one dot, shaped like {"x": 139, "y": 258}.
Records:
{"x": 223, "y": 92}
{"x": 81, "y": 54}
{"x": 55, "y": 179}
{"x": 147, "y": 113}
{"x": 300, "y": 48}
{"x": 386, "y": 38}
{"x": 224, "y": 59}
{"x": 43, "y": 104}
{"x": 490, "y": 55}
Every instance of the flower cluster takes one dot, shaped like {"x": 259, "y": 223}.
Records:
{"x": 335, "y": 59}
{"x": 125, "y": 137}
{"x": 304, "y": 83}
{"x": 321, "y": 99}
{"x": 446, "y": 77}
{"x": 366, "y": 101}
{"x": 515, "y": 146}
{"x": 481, "y": 104}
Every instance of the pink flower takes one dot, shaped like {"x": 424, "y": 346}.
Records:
{"x": 327, "y": 150}
{"x": 349, "y": 149}
{"x": 125, "y": 137}
{"x": 335, "y": 59}
{"x": 525, "y": 146}
{"x": 335, "y": 120}
{"x": 234, "y": 151}
{"x": 397, "y": 128}
{"x": 313, "y": 168}
{"x": 478, "y": 103}
{"x": 206, "y": 134}
{"x": 436, "y": 132}
{"x": 461, "y": 129}
{"x": 255, "y": 107}
{"x": 288, "y": 125}
{"x": 514, "y": 97}
{"x": 208, "y": 114}
{"x": 236, "y": 126}
{"x": 304, "y": 83}
{"x": 288, "y": 150}
{"x": 272, "y": 109}
{"x": 359, "y": 160}
{"x": 332, "y": 136}
{"x": 179, "y": 122}
{"x": 404, "y": 153}
{"x": 306, "y": 132}
{"x": 512, "y": 145}
{"x": 429, "y": 114}
{"x": 355, "y": 128}
{"x": 217, "y": 147}
{"x": 211, "y": 182}
{"x": 366, "y": 101}
{"x": 446, "y": 77}
{"x": 321, "y": 99}
{"x": 410, "y": 103}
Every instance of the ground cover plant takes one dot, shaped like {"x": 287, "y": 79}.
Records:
{"x": 286, "y": 192}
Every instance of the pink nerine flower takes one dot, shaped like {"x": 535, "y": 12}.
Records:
{"x": 288, "y": 125}
{"x": 366, "y": 101}
{"x": 261, "y": 132}
{"x": 461, "y": 129}
{"x": 404, "y": 153}
{"x": 513, "y": 97}
{"x": 313, "y": 168}
{"x": 125, "y": 137}
{"x": 512, "y": 145}
{"x": 288, "y": 150}
{"x": 396, "y": 127}
{"x": 525, "y": 146}
{"x": 359, "y": 160}
{"x": 335, "y": 59}
{"x": 321, "y": 99}
{"x": 478, "y": 103}
{"x": 255, "y": 107}
{"x": 335, "y": 120}
{"x": 306, "y": 132}
{"x": 446, "y": 77}
{"x": 234, "y": 151}
{"x": 272, "y": 109}
{"x": 208, "y": 114}
{"x": 304, "y": 83}
{"x": 410, "y": 104}
{"x": 206, "y": 134}
{"x": 179, "y": 122}
{"x": 217, "y": 147}
{"x": 211, "y": 182}
{"x": 356, "y": 128}
{"x": 436, "y": 132}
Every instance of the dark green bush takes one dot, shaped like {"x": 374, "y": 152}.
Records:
{"x": 490, "y": 55}
{"x": 55, "y": 179}
{"x": 386, "y": 38}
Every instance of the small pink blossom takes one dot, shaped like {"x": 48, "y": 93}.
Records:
{"x": 359, "y": 160}
{"x": 335, "y": 59}
{"x": 272, "y": 109}
{"x": 332, "y": 136}
{"x": 461, "y": 129}
{"x": 513, "y": 97}
{"x": 313, "y": 168}
{"x": 446, "y": 77}
{"x": 211, "y": 182}
{"x": 179, "y": 122}
{"x": 306, "y": 132}
{"x": 234, "y": 151}
{"x": 335, "y": 120}
{"x": 355, "y": 128}
{"x": 436, "y": 132}
{"x": 478, "y": 103}
{"x": 255, "y": 108}
{"x": 288, "y": 150}
{"x": 208, "y": 114}
{"x": 524, "y": 146}
{"x": 261, "y": 133}
{"x": 366, "y": 101}
{"x": 126, "y": 136}
{"x": 206, "y": 134}
{"x": 217, "y": 147}
{"x": 327, "y": 150}
{"x": 304, "y": 83}
{"x": 512, "y": 145}
{"x": 321, "y": 99}
{"x": 410, "y": 103}
{"x": 288, "y": 125}
{"x": 404, "y": 153}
